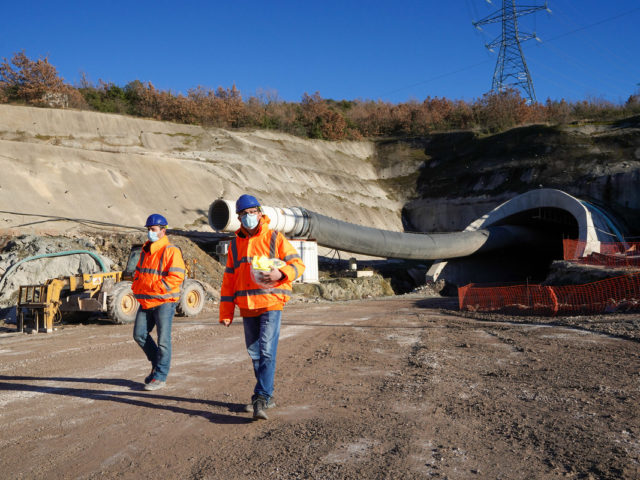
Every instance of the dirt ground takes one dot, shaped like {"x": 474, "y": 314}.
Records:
{"x": 396, "y": 387}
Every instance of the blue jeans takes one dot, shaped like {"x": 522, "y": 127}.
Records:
{"x": 261, "y": 336}
{"x": 158, "y": 354}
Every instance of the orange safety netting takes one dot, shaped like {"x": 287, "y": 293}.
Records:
{"x": 613, "y": 254}
{"x": 619, "y": 294}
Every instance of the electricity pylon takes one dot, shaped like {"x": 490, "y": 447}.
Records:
{"x": 511, "y": 68}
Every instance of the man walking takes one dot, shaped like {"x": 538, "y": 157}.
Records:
{"x": 156, "y": 285}
{"x": 260, "y": 299}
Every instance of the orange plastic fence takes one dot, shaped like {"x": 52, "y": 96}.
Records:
{"x": 613, "y": 254}
{"x": 619, "y": 294}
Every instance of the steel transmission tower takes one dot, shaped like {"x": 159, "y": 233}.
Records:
{"x": 511, "y": 68}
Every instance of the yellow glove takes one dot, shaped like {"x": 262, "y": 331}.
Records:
{"x": 265, "y": 264}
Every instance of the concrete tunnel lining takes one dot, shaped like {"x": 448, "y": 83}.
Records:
{"x": 592, "y": 225}
{"x": 543, "y": 198}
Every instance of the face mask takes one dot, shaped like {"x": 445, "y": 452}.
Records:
{"x": 249, "y": 220}
{"x": 152, "y": 236}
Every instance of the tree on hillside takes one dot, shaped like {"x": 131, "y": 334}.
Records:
{"x": 223, "y": 107}
{"x": 633, "y": 102}
{"x": 36, "y": 82}
{"x": 106, "y": 96}
{"x": 264, "y": 110}
{"x": 498, "y": 111}
{"x": 319, "y": 120}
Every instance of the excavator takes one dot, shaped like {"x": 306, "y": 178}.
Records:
{"x": 40, "y": 306}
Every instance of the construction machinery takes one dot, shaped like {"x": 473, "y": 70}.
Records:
{"x": 40, "y": 306}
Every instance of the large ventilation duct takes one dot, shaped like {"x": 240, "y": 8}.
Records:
{"x": 332, "y": 233}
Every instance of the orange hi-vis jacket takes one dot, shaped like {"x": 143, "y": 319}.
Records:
{"x": 238, "y": 288}
{"x": 159, "y": 274}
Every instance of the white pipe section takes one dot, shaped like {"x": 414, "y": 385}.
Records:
{"x": 290, "y": 221}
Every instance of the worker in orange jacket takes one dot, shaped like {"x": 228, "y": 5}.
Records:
{"x": 260, "y": 296}
{"x": 156, "y": 285}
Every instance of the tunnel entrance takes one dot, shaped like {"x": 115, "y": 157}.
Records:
{"x": 518, "y": 264}
{"x": 552, "y": 221}
{"x": 532, "y": 262}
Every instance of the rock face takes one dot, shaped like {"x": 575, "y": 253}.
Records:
{"x": 465, "y": 175}
{"x": 60, "y": 167}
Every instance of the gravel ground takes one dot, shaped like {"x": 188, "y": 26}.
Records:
{"x": 395, "y": 387}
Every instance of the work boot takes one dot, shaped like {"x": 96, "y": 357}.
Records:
{"x": 149, "y": 377}
{"x": 155, "y": 385}
{"x": 270, "y": 404}
{"x": 259, "y": 407}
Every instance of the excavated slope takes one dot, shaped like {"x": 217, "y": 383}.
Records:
{"x": 116, "y": 169}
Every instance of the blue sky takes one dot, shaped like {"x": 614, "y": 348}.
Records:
{"x": 393, "y": 51}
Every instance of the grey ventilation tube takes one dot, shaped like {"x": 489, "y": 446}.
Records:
{"x": 332, "y": 233}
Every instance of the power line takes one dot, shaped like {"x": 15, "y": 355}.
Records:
{"x": 615, "y": 17}
{"x": 469, "y": 67}
{"x": 437, "y": 77}
{"x": 601, "y": 76}
{"x": 607, "y": 54}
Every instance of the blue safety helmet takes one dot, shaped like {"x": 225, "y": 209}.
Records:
{"x": 246, "y": 201}
{"x": 156, "y": 219}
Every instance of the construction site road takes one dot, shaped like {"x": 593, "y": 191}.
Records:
{"x": 396, "y": 387}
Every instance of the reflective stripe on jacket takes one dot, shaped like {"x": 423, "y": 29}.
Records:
{"x": 238, "y": 288}
{"x": 159, "y": 274}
